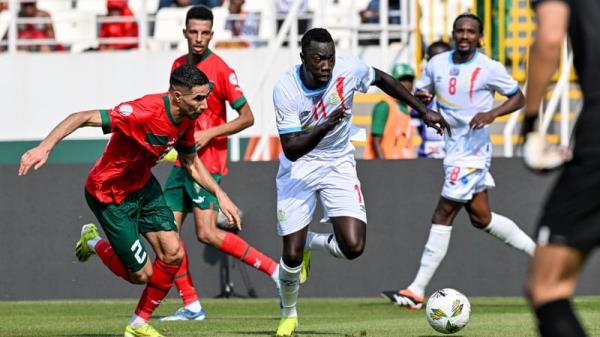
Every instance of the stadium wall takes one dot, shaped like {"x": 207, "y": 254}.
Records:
{"x": 40, "y": 89}
{"x": 42, "y": 214}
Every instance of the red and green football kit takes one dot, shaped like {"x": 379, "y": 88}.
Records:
{"x": 120, "y": 188}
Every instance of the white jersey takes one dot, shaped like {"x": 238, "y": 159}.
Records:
{"x": 461, "y": 91}
{"x": 299, "y": 108}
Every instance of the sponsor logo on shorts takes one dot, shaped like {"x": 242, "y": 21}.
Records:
{"x": 281, "y": 216}
{"x": 198, "y": 200}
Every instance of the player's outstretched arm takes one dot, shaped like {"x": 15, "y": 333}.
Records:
{"x": 244, "y": 120}
{"x": 297, "y": 144}
{"x": 394, "y": 88}
{"x": 512, "y": 104}
{"x": 38, "y": 155}
{"x": 202, "y": 176}
{"x": 544, "y": 56}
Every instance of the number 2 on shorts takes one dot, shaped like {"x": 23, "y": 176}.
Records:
{"x": 136, "y": 248}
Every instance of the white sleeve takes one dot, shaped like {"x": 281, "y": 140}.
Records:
{"x": 500, "y": 81}
{"x": 286, "y": 116}
{"x": 425, "y": 82}
{"x": 365, "y": 74}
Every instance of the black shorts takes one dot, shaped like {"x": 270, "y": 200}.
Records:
{"x": 571, "y": 215}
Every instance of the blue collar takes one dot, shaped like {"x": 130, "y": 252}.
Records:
{"x": 306, "y": 90}
{"x": 461, "y": 64}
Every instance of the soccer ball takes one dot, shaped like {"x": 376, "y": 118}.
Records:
{"x": 448, "y": 311}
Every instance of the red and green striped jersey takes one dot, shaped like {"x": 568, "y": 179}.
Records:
{"x": 225, "y": 88}
{"x": 143, "y": 130}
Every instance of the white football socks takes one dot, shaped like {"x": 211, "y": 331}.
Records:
{"x": 136, "y": 321}
{"x": 290, "y": 285}
{"x": 433, "y": 254}
{"x": 194, "y": 306}
{"x": 92, "y": 242}
{"x": 506, "y": 230}
{"x": 324, "y": 242}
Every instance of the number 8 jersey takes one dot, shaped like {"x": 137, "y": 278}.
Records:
{"x": 461, "y": 91}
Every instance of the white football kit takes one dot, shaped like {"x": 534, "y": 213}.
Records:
{"x": 329, "y": 170}
{"x": 461, "y": 91}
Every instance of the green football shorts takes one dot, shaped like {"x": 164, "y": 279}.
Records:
{"x": 141, "y": 212}
{"x": 182, "y": 193}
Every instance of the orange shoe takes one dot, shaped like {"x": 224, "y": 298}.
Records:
{"x": 404, "y": 298}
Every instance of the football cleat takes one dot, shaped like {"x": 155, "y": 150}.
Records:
{"x": 287, "y": 326}
{"x": 184, "y": 314}
{"x": 144, "y": 331}
{"x": 305, "y": 266}
{"x": 82, "y": 249}
{"x": 404, "y": 298}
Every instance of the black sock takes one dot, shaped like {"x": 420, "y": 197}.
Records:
{"x": 557, "y": 319}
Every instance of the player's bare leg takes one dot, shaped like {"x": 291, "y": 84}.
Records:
{"x": 550, "y": 286}
{"x": 497, "y": 225}
{"x": 346, "y": 242}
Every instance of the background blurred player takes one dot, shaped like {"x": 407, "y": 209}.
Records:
{"x": 182, "y": 193}
{"x": 570, "y": 225}
{"x": 313, "y": 103}
{"x": 463, "y": 82}
{"x": 432, "y": 144}
{"x": 124, "y": 195}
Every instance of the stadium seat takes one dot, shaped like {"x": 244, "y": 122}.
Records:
{"x": 75, "y": 28}
{"x": 98, "y": 7}
{"x": 54, "y": 6}
{"x": 220, "y": 18}
{"x": 151, "y": 6}
{"x": 169, "y": 23}
{"x": 5, "y": 17}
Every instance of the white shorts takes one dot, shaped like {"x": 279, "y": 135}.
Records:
{"x": 460, "y": 183}
{"x": 299, "y": 184}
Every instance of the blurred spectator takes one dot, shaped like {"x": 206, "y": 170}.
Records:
{"x": 371, "y": 13}
{"x": 35, "y": 30}
{"x": 283, "y": 7}
{"x": 3, "y": 6}
{"x": 118, "y": 8}
{"x": 391, "y": 130}
{"x": 186, "y": 3}
{"x": 245, "y": 25}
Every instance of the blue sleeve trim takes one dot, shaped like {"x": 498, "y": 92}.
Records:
{"x": 512, "y": 92}
{"x": 289, "y": 130}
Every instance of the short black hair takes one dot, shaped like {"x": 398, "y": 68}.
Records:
{"x": 187, "y": 76}
{"x": 199, "y": 12}
{"x": 437, "y": 44}
{"x": 317, "y": 35}
{"x": 469, "y": 15}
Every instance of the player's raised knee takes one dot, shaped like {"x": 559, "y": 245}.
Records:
{"x": 354, "y": 250}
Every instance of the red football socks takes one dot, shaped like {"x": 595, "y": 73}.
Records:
{"x": 110, "y": 259}
{"x": 236, "y": 246}
{"x": 183, "y": 280}
{"x": 157, "y": 288}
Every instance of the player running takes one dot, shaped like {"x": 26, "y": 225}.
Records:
{"x": 463, "y": 82}
{"x": 183, "y": 195}
{"x": 124, "y": 195}
{"x": 313, "y": 102}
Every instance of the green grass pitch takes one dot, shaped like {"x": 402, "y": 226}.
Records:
{"x": 357, "y": 317}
